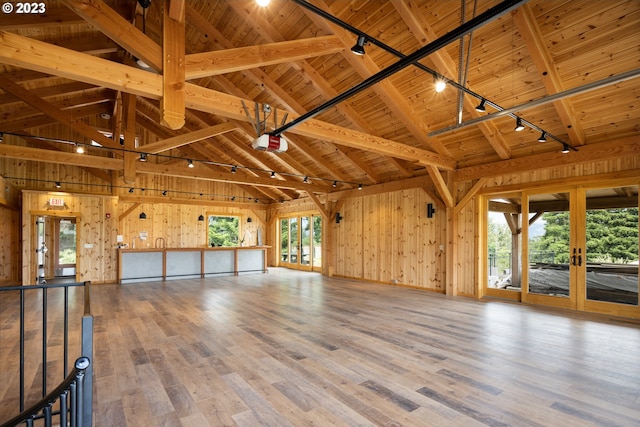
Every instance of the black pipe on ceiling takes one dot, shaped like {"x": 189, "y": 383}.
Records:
{"x": 482, "y": 19}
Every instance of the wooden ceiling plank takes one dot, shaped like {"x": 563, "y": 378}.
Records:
{"x": 447, "y": 66}
{"x": 51, "y": 111}
{"x": 244, "y": 58}
{"x": 118, "y": 29}
{"x": 530, "y": 32}
{"x": 172, "y": 109}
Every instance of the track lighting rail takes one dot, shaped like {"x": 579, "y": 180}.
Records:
{"x": 480, "y": 20}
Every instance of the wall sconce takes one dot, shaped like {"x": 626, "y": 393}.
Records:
{"x": 201, "y": 217}
{"x": 143, "y": 215}
{"x": 338, "y": 218}
{"x": 249, "y": 219}
{"x": 430, "y": 210}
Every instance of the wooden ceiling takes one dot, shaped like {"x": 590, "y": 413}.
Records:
{"x": 75, "y": 64}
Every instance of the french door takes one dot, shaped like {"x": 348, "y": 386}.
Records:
{"x": 569, "y": 247}
{"x": 301, "y": 242}
{"x": 581, "y": 249}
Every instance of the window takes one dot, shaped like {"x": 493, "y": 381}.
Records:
{"x": 223, "y": 230}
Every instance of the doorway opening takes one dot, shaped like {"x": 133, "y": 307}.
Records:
{"x": 56, "y": 243}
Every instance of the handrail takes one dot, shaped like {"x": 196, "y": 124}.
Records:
{"x": 76, "y": 376}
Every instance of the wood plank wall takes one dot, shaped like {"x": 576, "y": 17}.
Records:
{"x": 9, "y": 233}
{"x": 388, "y": 238}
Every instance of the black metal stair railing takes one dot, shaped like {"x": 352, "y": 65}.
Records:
{"x": 70, "y": 396}
{"x": 75, "y": 391}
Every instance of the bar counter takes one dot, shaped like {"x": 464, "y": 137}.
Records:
{"x": 139, "y": 265}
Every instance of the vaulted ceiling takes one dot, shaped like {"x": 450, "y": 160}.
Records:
{"x": 567, "y": 68}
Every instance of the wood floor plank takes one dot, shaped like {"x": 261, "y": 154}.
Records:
{"x": 300, "y": 349}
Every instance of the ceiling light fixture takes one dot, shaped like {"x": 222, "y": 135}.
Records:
{"x": 335, "y": 184}
{"x": 234, "y": 169}
{"x": 481, "y": 107}
{"x": 164, "y": 193}
{"x": 565, "y": 148}
{"x": 58, "y": 185}
{"x": 143, "y": 157}
{"x": 79, "y": 149}
{"x": 359, "y": 186}
{"x": 440, "y": 85}
{"x": 306, "y": 180}
{"x": 190, "y": 163}
{"x": 519, "y": 126}
{"x": 543, "y": 137}
{"x": 273, "y": 174}
{"x": 131, "y": 190}
{"x": 263, "y": 3}
{"x": 233, "y": 198}
{"x": 358, "y": 48}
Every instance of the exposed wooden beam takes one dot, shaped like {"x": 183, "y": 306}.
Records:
{"x": 441, "y": 186}
{"x": 129, "y": 131}
{"x": 176, "y": 10}
{"x": 118, "y": 29}
{"x": 387, "y": 187}
{"x": 470, "y": 194}
{"x": 187, "y": 138}
{"x": 173, "y": 78}
{"x": 244, "y": 58}
{"x": 129, "y": 79}
{"x": 588, "y": 153}
{"x": 50, "y": 156}
{"x": 319, "y": 205}
{"x": 536, "y": 46}
{"x": 51, "y": 111}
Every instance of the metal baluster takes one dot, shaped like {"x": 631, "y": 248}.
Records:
{"x": 64, "y": 408}
{"x": 47, "y": 415}
{"x": 22, "y": 399}
{"x": 65, "y": 348}
{"x": 74, "y": 404}
{"x": 44, "y": 342}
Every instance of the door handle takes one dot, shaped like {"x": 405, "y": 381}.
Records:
{"x": 579, "y": 257}
{"x": 573, "y": 258}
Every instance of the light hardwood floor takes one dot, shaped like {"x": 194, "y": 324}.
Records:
{"x": 299, "y": 349}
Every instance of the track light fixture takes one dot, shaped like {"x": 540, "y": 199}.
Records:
{"x": 164, "y": 193}
{"x": 79, "y": 149}
{"x": 481, "y": 107}
{"x": 263, "y": 3}
{"x": 335, "y": 184}
{"x": 359, "y": 186}
{"x": 273, "y": 174}
{"x": 234, "y": 169}
{"x": 1, "y": 136}
{"x": 358, "y": 48}
{"x": 143, "y": 157}
{"x": 256, "y": 200}
{"x": 190, "y": 163}
{"x": 543, "y": 137}
{"x": 306, "y": 180}
{"x": 565, "y": 148}
{"x": 131, "y": 190}
{"x": 58, "y": 185}
{"x": 440, "y": 85}
{"x": 519, "y": 126}
{"x": 233, "y": 198}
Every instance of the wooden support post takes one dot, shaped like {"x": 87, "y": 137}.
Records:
{"x": 172, "y": 105}
{"x": 129, "y": 106}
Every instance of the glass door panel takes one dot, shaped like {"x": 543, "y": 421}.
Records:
{"x": 305, "y": 240}
{"x": 549, "y": 249}
{"x": 611, "y": 253}
{"x": 293, "y": 241}
{"x": 284, "y": 240}
{"x": 316, "y": 252}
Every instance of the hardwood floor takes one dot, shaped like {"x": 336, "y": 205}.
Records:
{"x": 299, "y": 349}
